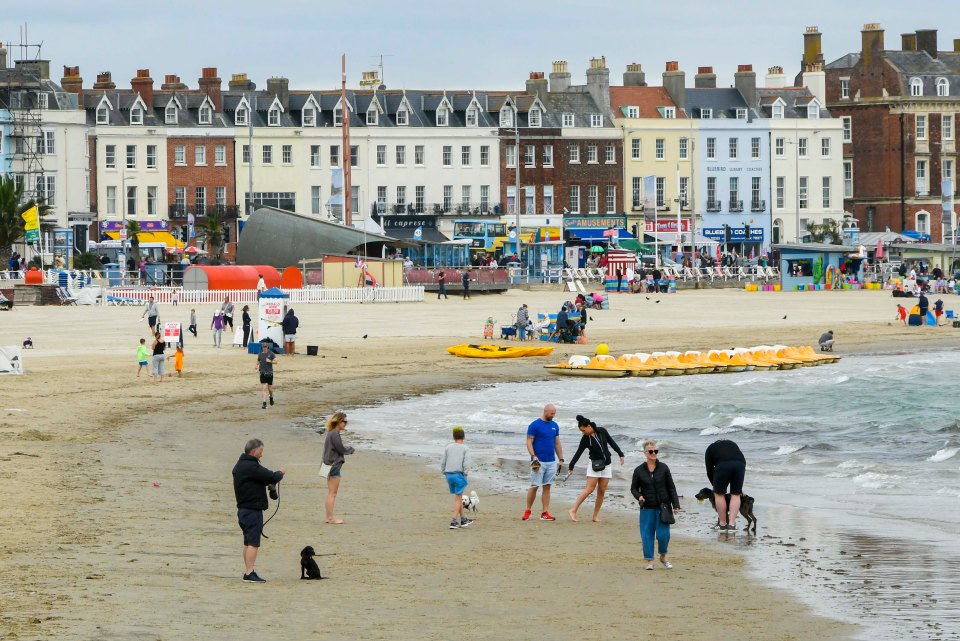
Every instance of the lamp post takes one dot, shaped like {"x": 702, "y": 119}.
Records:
{"x": 516, "y": 196}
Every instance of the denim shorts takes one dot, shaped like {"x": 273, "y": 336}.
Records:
{"x": 334, "y": 472}
{"x": 543, "y": 476}
{"x": 457, "y": 482}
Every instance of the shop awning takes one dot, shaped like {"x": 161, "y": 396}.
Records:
{"x": 595, "y": 233}
{"x": 164, "y": 237}
{"x": 635, "y": 245}
{"x": 430, "y": 235}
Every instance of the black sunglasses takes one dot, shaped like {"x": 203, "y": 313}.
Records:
{"x": 653, "y": 451}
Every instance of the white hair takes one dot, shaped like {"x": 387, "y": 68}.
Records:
{"x": 649, "y": 444}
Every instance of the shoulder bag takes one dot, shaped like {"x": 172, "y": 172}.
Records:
{"x": 666, "y": 509}
{"x": 325, "y": 470}
{"x": 598, "y": 464}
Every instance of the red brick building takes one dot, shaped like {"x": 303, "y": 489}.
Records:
{"x": 900, "y": 115}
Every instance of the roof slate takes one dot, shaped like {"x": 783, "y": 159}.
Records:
{"x": 646, "y": 98}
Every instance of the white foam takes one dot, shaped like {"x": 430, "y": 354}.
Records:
{"x": 784, "y": 450}
{"x": 875, "y": 480}
{"x": 852, "y": 464}
{"x": 745, "y": 421}
{"x": 949, "y": 491}
{"x": 944, "y": 454}
{"x": 713, "y": 429}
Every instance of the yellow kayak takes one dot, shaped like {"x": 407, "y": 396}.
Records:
{"x": 496, "y": 351}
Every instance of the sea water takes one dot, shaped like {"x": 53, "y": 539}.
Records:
{"x": 854, "y": 468}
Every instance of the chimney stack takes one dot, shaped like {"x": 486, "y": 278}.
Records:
{"x": 239, "y": 82}
{"x": 674, "y": 81}
{"x": 775, "y": 78}
{"x": 559, "y": 77}
{"x": 745, "y": 80}
{"x": 210, "y": 84}
{"x": 927, "y": 41}
{"x": 104, "y": 81}
{"x": 537, "y": 83}
{"x": 956, "y": 45}
{"x": 812, "y": 52}
{"x": 908, "y": 41}
{"x": 705, "y": 78}
{"x": 143, "y": 84}
{"x": 634, "y": 76}
{"x": 871, "y": 39}
{"x": 3, "y": 56}
{"x": 39, "y": 68}
{"x": 280, "y": 87}
{"x": 73, "y": 83}
{"x": 171, "y": 82}
{"x": 598, "y": 83}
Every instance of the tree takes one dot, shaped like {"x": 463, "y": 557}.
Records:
{"x": 133, "y": 231}
{"x": 11, "y": 223}
{"x": 825, "y": 232}
{"x": 211, "y": 232}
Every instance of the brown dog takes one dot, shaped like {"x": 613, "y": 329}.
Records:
{"x": 746, "y": 506}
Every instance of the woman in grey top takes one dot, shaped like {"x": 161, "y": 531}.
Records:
{"x": 333, "y": 455}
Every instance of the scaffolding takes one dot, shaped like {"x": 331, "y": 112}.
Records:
{"x": 22, "y": 97}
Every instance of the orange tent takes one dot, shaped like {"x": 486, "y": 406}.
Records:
{"x": 221, "y": 277}
{"x": 292, "y": 278}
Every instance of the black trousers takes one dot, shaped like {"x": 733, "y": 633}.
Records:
{"x": 246, "y": 335}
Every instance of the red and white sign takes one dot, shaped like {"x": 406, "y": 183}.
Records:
{"x": 171, "y": 333}
{"x": 667, "y": 225}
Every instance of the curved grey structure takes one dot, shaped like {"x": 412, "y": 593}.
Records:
{"x": 280, "y": 238}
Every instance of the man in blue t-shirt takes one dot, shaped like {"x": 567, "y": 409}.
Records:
{"x": 543, "y": 439}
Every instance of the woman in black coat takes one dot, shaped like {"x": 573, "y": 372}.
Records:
{"x": 653, "y": 486}
{"x": 597, "y": 441}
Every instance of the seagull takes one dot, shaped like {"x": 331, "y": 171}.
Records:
{"x": 656, "y": 301}
{"x": 364, "y": 335}
{"x": 623, "y": 320}
{"x": 784, "y": 317}
{"x": 647, "y": 297}
{"x": 589, "y": 316}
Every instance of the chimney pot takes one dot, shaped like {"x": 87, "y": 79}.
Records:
{"x": 104, "y": 81}
{"x": 673, "y": 65}
{"x": 741, "y": 68}
{"x": 143, "y": 73}
{"x": 559, "y": 77}
{"x": 559, "y": 66}
{"x": 634, "y": 76}
{"x": 704, "y": 69}
{"x": 209, "y": 72}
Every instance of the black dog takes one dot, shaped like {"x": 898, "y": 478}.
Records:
{"x": 309, "y": 569}
{"x": 27, "y": 343}
{"x": 746, "y": 506}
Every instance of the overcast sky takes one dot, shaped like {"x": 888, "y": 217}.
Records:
{"x": 492, "y": 44}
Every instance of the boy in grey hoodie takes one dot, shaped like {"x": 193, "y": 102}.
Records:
{"x": 455, "y": 465}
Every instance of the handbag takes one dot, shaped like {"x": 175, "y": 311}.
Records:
{"x": 666, "y": 514}
{"x": 598, "y": 464}
{"x": 325, "y": 470}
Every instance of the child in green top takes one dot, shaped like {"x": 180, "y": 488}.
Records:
{"x": 143, "y": 356}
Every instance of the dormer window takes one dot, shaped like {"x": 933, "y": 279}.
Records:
{"x": 273, "y": 117}
{"x": 776, "y": 111}
{"x": 443, "y": 117}
{"x": 309, "y": 117}
{"x": 943, "y": 87}
{"x": 372, "y": 116}
{"x": 506, "y": 117}
{"x": 632, "y": 111}
{"x": 103, "y": 115}
{"x": 206, "y": 114}
{"x": 241, "y": 116}
{"x": 472, "y": 118}
{"x": 136, "y": 116}
{"x": 338, "y": 117}
{"x": 43, "y": 100}
{"x": 170, "y": 115}
{"x": 916, "y": 87}
{"x": 813, "y": 111}
{"x": 596, "y": 120}
{"x": 706, "y": 113}
{"x": 402, "y": 117}
{"x": 535, "y": 118}
{"x": 741, "y": 113}
{"x": 567, "y": 120}
{"x": 669, "y": 113}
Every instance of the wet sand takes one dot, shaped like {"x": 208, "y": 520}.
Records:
{"x": 92, "y": 549}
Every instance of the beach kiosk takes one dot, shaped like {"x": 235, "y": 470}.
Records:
{"x": 273, "y": 307}
{"x": 809, "y": 266}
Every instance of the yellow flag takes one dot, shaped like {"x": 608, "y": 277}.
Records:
{"x": 31, "y": 224}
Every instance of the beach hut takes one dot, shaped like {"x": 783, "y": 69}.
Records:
{"x": 807, "y": 265}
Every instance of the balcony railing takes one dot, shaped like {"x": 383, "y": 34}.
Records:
{"x": 713, "y": 206}
{"x": 758, "y": 205}
{"x": 225, "y": 211}
{"x": 736, "y": 206}
{"x": 471, "y": 209}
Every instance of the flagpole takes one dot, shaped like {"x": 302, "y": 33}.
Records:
{"x": 347, "y": 160}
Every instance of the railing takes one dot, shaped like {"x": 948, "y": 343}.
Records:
{"x": 736, "y": 205}
{"x": 181, "y": 211}
{"x": 713, "y": 206}
{"x": 758, "y": 205}
{"x": 165, "y": 295}
{"x": 453, "y": 207}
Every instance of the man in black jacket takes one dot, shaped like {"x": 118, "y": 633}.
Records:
{"x": 250, "y": 481}
{"x": 726, "y": 466}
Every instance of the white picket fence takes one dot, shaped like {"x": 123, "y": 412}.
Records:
{"x": 139, "y": 295}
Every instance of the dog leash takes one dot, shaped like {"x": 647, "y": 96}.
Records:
{"x": 277, "y": 490}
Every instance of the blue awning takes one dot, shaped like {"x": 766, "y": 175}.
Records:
{"x": 594, "y": 233}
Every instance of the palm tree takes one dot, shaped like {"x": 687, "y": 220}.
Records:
{"x": 133, "y": 231}
{"x": 11, "y": 206}
{"x": 211, "y": 232}
{"x": 825, "y": 232}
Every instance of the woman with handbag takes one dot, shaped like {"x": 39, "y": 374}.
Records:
{"x": 597, "y": 442}
{"x": 334, "y": 452}
{"x": 653, "y": 487}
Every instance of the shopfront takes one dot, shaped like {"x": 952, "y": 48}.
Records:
{"x": 423, "y": 242}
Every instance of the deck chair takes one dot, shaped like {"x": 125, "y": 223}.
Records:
{"x": 65, "y": 297}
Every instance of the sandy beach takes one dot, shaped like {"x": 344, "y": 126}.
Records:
{"x": 120, "y": 522}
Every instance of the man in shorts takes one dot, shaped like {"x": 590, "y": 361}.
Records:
{"x": 250, "y": 481}
{"x": 543, "y": 445}
{"x": 726, "y": 467}
{"x": 152, "y": 312}
{"x": 265, "y": 363}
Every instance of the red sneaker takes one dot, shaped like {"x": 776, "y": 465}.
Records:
{"x": 546, "y": 516}
{"x": 526, "y": 515}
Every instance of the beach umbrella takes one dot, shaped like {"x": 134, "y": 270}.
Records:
{"x": 879, "y": 249}
{"x": 597, "y": 249}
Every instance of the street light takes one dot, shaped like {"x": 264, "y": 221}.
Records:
{"x": 516, "y": 196}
